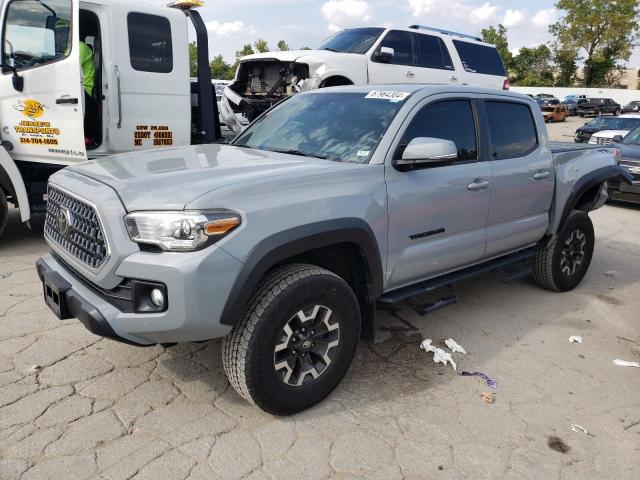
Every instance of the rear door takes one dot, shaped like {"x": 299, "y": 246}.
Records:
{"x": 44, "y": 122}
{"x": 149, "y": 84}
{"x": 480, "y": 64}
{"x": 433, "y": 63}
{"x": 523, "y": 178}
{"x": 400, "y": 69}
{"x": 437, "y": 215}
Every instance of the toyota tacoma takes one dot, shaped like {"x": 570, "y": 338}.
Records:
{"x": 330, "y": 203}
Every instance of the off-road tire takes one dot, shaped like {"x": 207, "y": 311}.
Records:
{"x": 248, "y": 352}
{"x": 547, "y": 266}
{"x": 4, "y": 211}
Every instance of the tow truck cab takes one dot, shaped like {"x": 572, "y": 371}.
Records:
{"x": 142, "y": 97}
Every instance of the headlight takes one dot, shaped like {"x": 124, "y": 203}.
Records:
{"x": 181, "y": 231}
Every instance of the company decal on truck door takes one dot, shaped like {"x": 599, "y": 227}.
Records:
{"x": 34, "y": 131}
{"x": 160, "y": 135}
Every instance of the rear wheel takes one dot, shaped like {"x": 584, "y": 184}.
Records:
{"x": 561, "y": 264}
{"x": 4, "y": 211}
{"x": 295, "y": 341}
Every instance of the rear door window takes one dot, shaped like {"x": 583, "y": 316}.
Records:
{"x": 401, "y": 43}
{"x": 450, "y": 120}
{"x": 431, "y": 52}
{"x": 150, "y": 44}
{"x": 512, "y": 128}
{"x": 480, "y": 58}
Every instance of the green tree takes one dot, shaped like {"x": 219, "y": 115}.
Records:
{"x": 261, "y": 46}
{"x": 565, "y": 60}
{"x": 220, "y": 69}
{"x": 193, "y": 59}
{"x": 532, "y": 67}
{"x": 498, "y": 36}
{"x": 282, "y": 46}
{"x": 607, "y": 31}
{"x": 246, "y": 50}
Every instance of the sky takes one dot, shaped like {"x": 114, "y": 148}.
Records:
{"x": 304, "y": 23}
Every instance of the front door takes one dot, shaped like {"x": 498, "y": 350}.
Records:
{"x": 437, "y": 215}
{"x": 44, "y": 122}
{"x": 400, "y": 68}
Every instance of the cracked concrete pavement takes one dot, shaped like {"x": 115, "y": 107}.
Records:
{"x": 73, "y": 405}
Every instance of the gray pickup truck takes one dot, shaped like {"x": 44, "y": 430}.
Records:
{"x": 330, "y": 203}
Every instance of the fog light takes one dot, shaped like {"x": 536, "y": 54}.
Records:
{"x": 157, "y": 297}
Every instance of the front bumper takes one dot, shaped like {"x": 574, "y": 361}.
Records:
{"x": 197, "y": 284}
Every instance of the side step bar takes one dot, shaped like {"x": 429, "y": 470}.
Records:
{"x": 449, "y": 280}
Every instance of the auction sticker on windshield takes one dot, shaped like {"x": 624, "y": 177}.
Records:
{"x": 391, "y": 95}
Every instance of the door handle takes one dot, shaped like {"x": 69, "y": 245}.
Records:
{"x": 453, "y": 78}
{"x": 119, "y": 96}
{"x": 67, "y": 101}
{"x": 541, "y": 175}
{"x": 478, "y": 185}
{"x": 409, "y": 74}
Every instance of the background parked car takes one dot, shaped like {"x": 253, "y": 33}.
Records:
{"x": 545, "y": 102}
{"x": 599, "y": 106}
{"x": 544, "y": 96}
{"x": 624, "y": 122}
{"x": 573, "y": 97}
{"x": 630, "y": 153}
{"x": 554, "y": 113}
{"x": 572, "y": 105}
{"x": 631, "y": 107}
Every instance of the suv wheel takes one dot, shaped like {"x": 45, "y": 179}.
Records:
{"x": 295, "y": 341}
{"x": 561, "y": 264}
{"x": 4, "y": 211}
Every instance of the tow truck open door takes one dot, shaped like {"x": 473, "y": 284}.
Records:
{"x": 40, "y": 53}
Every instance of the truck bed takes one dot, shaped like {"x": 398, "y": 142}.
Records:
{"x": 564, "y": 147}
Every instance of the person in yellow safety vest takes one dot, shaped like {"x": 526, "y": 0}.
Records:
{"x": 88, "y": 67}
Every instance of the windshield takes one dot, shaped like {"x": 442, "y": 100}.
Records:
{"x": 633, "y": 138}
{"x": 615, "y": 123}
{"x": 355, "y": 40}
{"x": 344, "y": 127}
{"x": 597, "y": 101}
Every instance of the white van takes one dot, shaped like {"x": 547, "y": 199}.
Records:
{"x": 368, "y": 55}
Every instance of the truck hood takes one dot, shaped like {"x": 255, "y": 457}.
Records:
{"x": 169, "y": 179}
{"x": 297, "y": 55}
{"x": 610, "y": 133}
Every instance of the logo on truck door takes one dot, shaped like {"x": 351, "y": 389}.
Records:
{"x": 30, "y": 108}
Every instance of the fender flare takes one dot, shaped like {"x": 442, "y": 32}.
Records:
{"x": 590, "y": 180}
{"x": 19, "y": 189}
{"x": 289, "y": 243}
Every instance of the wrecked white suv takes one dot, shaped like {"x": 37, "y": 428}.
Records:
{"x": 369, "y": 55}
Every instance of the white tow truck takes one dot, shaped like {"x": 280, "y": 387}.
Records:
{"x": 142, "y": 98}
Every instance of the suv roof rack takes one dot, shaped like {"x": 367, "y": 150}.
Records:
{"x": 445, "y": 32}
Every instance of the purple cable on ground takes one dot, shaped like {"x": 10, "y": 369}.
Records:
{"x": 490, "y": 382}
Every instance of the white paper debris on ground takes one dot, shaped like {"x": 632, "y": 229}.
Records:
{"x": 624, "y": 363}
{"x": 579, "y": 429}
{"x": 427, "y": 347}
{"x": 575, "y": 339}
{"x": 34, "y": 369}
{"x": 439, "y": 355}
{"x": 613, "y": 273}
{"x": 454, "y": 347}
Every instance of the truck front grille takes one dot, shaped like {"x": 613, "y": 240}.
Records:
{"x": 74, "y": 225}
{"x": 602, "y": 141}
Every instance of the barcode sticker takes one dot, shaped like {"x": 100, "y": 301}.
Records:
{"x": 391, "y": 95}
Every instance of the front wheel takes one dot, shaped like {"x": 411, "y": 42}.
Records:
{"x": 561, "y": 264}
{"x": 295, "y": 341}
{"x": 4, "y": 211}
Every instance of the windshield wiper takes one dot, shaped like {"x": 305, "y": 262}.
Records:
{"x": 331, "y": 49}
{"x": 293, "y": 151}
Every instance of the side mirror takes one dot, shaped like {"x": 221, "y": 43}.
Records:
{"x": 18, "y": 81}
{"x": 424, "y": 151}
{"x": 617, "y": 139}
{"x": 385, "y": 54}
